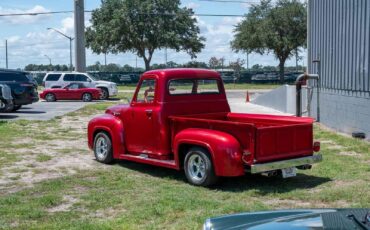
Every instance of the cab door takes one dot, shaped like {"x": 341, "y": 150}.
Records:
{"x": 142, "y": 126}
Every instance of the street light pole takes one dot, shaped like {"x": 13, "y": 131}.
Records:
{"x": 48, "y": 58}
{"x": 70, "y": 46}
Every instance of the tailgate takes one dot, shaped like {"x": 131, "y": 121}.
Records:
{"x": 283, "y": 142}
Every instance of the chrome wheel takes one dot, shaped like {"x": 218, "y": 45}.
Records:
{"x": 86, "y": 97}
{"x": 104, "y": 94}
{"x": 50, "y": 97}
{"x": 101, "y": 148}
{"x": 196, "y": 167}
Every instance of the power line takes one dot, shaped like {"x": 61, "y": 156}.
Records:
{"x": 89, "y": 11}
{"x": 229, "y": 1}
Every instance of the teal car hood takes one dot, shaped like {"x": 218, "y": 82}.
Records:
{"x": 291, "y": 219}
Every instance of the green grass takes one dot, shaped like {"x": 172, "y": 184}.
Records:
{"x": 128, "y": 195}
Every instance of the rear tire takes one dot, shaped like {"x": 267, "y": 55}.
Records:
{"x": 50, "y": 97}
{"x": 86, "y": 97}
{"x": 16, "y": 107}
{"x": 8, "y": 108}
{"x": 104, "y": 94}
{"x": 103, "y": 150}
{"x": 199, "y": 168}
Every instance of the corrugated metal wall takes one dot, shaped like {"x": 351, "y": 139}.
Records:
{"x": 339, "y": 36}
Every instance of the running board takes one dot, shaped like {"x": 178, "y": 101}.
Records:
{"x": 143, "y": 159}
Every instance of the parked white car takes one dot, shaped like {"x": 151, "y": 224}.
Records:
{"x": 62, "y": 79}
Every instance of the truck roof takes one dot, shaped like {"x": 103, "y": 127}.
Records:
{"x": 183, "y": 73}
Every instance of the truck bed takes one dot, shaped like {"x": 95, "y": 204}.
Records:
{"x": 266, "y": 137}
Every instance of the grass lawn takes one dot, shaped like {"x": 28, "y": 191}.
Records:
{"x": 226, "y": 85}
{"x": 49, "y": 180}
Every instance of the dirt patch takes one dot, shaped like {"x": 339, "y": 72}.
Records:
{"x": 68, "y": 202}
{"x": 290, "y": 204}
{"x": 351, "y": 153}
{"x": 67, "y": 156}
{"x": 335, "y": 147}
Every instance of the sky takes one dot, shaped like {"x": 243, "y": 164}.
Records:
{"x": 29, "y": 41}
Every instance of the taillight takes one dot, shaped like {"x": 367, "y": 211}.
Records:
{"x": 316, "y": 146}
{"x": 43, "y": 84}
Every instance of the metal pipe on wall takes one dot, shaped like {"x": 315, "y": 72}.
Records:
{"x": 301, "y": 80}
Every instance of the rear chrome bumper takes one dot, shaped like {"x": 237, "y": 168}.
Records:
{"x": 265, "y": 167}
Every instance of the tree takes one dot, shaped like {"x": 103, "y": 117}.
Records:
{"x": 195, "y": 64}
{"x": 237, "y": 66}
{"x": 280, "y": 29}
{"x": 143, "y": 27}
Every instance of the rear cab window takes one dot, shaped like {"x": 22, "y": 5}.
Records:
{"x": 193, "y": 86}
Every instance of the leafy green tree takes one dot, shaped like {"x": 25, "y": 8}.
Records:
{"x": 195, "y": 64}
{"x": 143, "y": 27}
{"x": 279, "y": 28}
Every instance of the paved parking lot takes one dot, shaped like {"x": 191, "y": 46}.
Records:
{"x": 47, "y": 110}
{"x": 44, "y": 110}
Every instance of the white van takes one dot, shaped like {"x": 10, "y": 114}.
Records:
{"x": 61, "y": 79}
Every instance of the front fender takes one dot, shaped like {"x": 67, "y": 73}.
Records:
{"x": 113, "y": 126}
{"x": 225, "y": 150}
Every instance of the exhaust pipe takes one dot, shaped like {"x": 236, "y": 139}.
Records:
{"x": 301, "y": 80}
{"x": 270, "y": 173}
{"x": 304, "y": 167}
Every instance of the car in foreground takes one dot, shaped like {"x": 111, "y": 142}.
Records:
{"x": 293, "y": 219}
{"x": 73, "y": 91}
{"x": 181, "y": 119}
{"x": 62, "y": 79}
{"x": 23, "y": 90}
{"x": 6, "y": 99}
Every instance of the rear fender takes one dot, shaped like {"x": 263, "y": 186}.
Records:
{"x": 113, "y": 126}
{"x": 225, "y": 150}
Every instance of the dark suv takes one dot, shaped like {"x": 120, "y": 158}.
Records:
{"x": 6, "y": 98}
{"x": 23, "y": 89}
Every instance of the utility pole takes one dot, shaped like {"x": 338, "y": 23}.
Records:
{"x": 105, "y": 60}
{"x": 247, "y": 61}
{"x": 79, "y": 17}
{"x": 6, "y": 54}
{"x": 165, "y": 56}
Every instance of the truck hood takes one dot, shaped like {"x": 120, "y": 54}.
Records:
{"x": 104, "y": 82}
{"x": 290, "y": 219}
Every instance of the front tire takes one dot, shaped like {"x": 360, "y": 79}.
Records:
{"x": 104, "y": 94}
{"x": 16, "y": 107}
{"x": 87, "y": 97}
{"x": 103, "y": 150}
{"x": 198, "y": 167}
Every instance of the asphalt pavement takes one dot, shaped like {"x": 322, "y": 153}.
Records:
{"x": 44, "y": 110}
{"x": 47, "y": 110}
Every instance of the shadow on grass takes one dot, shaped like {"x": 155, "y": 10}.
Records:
{"x": 263, "y": 185}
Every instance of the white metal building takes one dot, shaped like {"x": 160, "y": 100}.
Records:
{"x": 339, "y": 51}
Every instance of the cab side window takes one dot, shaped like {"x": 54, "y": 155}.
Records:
{"x": 146, "y": 92}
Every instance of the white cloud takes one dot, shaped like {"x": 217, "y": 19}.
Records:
{"x": 23, "y": 19}
{"x": 192, "y": 5}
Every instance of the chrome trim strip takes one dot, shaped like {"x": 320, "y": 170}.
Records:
{"x": 265, "y": 167}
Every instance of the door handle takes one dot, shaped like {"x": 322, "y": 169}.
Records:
{"x": 149, "y": 112}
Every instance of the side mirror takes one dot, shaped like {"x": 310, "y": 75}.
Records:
{"x": 89, "y": 80}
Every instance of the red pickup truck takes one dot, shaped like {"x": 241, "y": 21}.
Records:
{"x": 180, "y": 119}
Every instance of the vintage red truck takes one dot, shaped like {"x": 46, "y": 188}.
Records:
{"x": 181, "y": 119}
